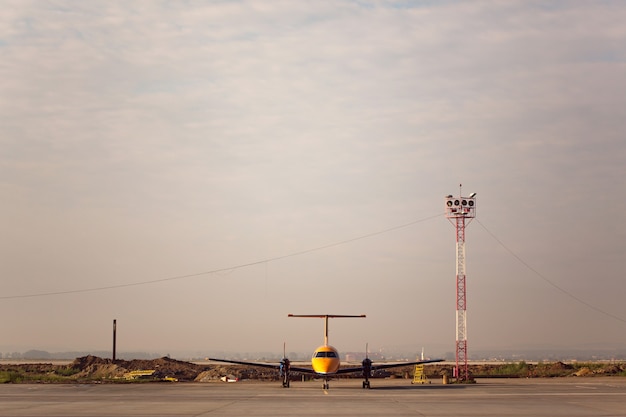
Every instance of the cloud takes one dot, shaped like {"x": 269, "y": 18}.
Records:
{"x": 187, "y": 135}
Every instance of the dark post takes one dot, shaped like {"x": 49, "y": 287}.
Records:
{"x": 114, "y": 337}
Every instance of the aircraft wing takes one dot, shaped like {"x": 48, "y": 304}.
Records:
{"x": 399, "y": 364}
{"x": 386, "y": 366}
{"x": 340, "y": 371}
{"x": 266, "y": 365}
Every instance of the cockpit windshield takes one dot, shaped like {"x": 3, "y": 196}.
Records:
{"x": 330, "y": 354}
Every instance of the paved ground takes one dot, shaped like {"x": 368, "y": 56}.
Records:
{"x": 569, "y": 397}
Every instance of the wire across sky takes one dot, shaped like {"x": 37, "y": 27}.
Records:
{"x": 315, "y": 249}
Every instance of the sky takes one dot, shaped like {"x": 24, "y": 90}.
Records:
{"x": 197, "y": 170}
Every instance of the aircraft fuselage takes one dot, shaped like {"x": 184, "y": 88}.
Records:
{"x": 325, "y": 360}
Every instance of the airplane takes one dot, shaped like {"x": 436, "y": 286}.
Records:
{"x": 325, "y": 360}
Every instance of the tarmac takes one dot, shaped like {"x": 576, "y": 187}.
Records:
{"x": 554, "y": 397}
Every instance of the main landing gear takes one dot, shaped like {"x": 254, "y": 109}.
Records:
{"x": 367, "y": 371}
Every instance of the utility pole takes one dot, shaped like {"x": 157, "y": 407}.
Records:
{"x": 114, "y": 339}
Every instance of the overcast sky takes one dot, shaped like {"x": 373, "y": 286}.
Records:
{"x": 144, "y": 141}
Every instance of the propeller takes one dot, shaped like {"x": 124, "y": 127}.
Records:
{"x": 285, "y": 366}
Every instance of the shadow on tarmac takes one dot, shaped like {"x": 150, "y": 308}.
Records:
{"x": 419, "y": 387}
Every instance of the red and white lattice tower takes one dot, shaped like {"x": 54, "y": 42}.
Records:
{"x": 461, "y": 210}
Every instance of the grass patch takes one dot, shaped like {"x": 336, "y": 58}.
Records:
{"x": 66, "y": 371}
{"x": 16, "y": 376}
{"x": 10, "y": 377}
{"x": 514, "y": 369}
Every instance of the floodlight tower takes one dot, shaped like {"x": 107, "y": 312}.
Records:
{"x": 458, "y": 210}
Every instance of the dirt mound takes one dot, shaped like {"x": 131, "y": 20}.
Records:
{"x": 560, "y": 366}
{"x": 95, "y": 367}
{"x": 86, "y": 361}
{"x": 612, "y": 369}
{"x": 215, "y": 372}
{"x": 165, "y": 367}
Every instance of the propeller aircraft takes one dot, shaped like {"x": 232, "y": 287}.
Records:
{"x": 325, "y": 362}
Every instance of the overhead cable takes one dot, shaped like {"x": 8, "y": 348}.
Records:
{"x": 220, "y": 270}
{"x": 543, "y": 277}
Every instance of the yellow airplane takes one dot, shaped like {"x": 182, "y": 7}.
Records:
{"x": 325, "y": 361}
